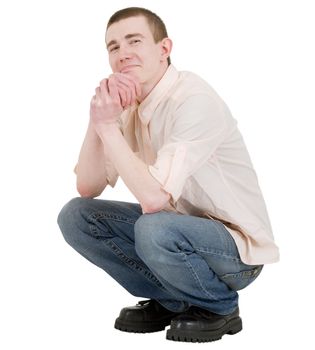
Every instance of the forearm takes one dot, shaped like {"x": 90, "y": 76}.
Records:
{"x": 133, "y": 171}
{"x": 90, "y": 169}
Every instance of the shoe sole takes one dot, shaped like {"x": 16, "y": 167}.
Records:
{"x": 140, "y": 327}
{"x": 232, "y": 327}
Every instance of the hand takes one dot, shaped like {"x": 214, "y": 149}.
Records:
{"x": 114, "y": 94}
{"x": 128, "y": 88}
{"x": 105, "y": 106}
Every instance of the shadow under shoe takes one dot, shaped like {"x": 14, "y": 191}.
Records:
{"x": 147, "y": 316}
{"x": 199, "y": 325}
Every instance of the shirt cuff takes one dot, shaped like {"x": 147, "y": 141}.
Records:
{"x": 168, "y": 170}
{"x": 111, "y": 174}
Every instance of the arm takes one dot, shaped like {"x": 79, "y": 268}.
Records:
{"x": 90, "y": 169}
{"x": 92, "y": 173}
{"x": 106, "y": 106}
{"x": 133, "y": 171}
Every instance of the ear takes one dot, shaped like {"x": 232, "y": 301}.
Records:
{"x": 166, "y": 48}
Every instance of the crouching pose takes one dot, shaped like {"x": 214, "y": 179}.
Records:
{"x": 200, "y": 230}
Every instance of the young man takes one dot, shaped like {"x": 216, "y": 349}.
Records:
{"x": 201, "y": 230}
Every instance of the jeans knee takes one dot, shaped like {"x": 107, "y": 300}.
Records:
{"x": 143, "y": 236}
{"x": 69, "y": 217}
{"x": 151, "y": 239}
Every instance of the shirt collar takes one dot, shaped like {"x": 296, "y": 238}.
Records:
{"x": 148, "y": 105}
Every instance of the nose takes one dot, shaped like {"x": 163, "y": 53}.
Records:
{"x": 124, "y": 53}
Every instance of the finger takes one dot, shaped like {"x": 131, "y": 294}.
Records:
{"x": 92, "y": 102}
{"x": 128, "y": 94}
{"x": 104, "y": 87}
{"x": 97, "y": 92}
{"x": 113, "y": 90}
{"x": 136, "y": 84}
{"x": 134, "y": 81}
{"x": 123, "y": 97}
{"x": 123, "y": 91}
{"x": 129, "y": 82}
{"x": 129, "y": 87}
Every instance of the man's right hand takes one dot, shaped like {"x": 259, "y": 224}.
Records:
{"x": 128, "y": 88}
{"x": 114, "y": 94}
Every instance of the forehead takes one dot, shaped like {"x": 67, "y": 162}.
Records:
{"x": 118, "y": 30}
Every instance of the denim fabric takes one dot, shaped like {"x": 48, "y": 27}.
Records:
{"x": 178, "y": 260}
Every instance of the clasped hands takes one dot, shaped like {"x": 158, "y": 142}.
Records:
{"x": 114, "y": 94}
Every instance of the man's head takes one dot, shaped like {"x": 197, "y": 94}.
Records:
{"x": 157, "y": 26}
{"x": 137, "y": 43}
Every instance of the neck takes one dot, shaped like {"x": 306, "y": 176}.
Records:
{"x": 147, "y": 87}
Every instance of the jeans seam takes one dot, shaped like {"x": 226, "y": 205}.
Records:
{"x": 254, "y": 272}
{"x": 218, "y": 254}
{"x": 196, "y": 278}
{"x": 116, "y": 249}
{"x": 97, "y": 215}
{"x": 132, "y": 263}
{"x": 101, "y": 215}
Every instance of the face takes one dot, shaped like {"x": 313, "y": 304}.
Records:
{"x": 131, "y": 49}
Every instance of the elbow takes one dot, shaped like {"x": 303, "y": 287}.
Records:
{"x": 147, "y": 209}
{"x": 88, "y": 192}
{"x": 89, "y": 187}
{"x": 157, "y": 204}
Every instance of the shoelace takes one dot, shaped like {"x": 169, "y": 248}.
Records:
{"x": 198, "y": 312}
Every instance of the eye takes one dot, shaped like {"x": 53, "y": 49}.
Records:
{"x": 113, "y": 48}
{"x": 135, "y": 41}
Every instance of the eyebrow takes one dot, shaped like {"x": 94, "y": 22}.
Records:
{"x": 128, "y": 36}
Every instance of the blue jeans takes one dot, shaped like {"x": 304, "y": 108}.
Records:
{"x": 178, "y": 260}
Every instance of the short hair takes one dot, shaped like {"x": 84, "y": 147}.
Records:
{"x": 157, "y": 26}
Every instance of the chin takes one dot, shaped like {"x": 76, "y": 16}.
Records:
{"x": 135, "y": 75}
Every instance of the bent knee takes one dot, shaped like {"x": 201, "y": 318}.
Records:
{"x": 71, "y": 216}
{"x": 151, "y": 237}
{"x": 67, "y": 212}
{"x": 145, "y": 227}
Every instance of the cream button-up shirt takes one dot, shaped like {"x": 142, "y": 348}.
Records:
{"x": 188, "y": 138}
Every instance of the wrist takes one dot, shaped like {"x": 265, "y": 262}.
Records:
{"x": 105, "y": 129}
{"x": 106, "y": 125}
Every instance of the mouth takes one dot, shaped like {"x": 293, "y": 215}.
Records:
{"x": 128, "y": 68}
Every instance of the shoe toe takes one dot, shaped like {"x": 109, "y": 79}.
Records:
{"x": 132, "y": 314}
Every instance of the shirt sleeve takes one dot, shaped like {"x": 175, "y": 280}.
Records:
{"x": 126, "y": 129}
{"x": 111, "y": 173}
{"x": 198, "y": 129}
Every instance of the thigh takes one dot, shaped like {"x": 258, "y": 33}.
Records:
{"x": 100, "y": 218}
{"x": 209, "y": 239}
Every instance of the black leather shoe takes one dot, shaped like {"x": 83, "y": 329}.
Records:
{"x": 199, "y": 325}
{"x": 147, "y": 316}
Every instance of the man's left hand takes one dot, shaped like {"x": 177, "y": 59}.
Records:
{"x": 114, "y": 94}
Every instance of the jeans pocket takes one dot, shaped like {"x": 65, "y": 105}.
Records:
{"x": 242, "y": 279}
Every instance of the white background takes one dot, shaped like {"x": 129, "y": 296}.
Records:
{"x": 258, "y": 55}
